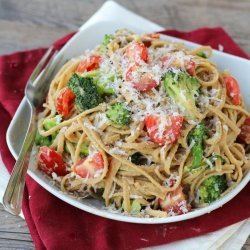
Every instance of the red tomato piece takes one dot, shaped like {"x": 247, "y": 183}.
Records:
{"x": 65, "y": 101}
{"x": 244, "y": 135}
{"x": 88, "y": 64}
{"x": 137, "y": 52}
{"x": 91, "y": 166}
{"x": 233, "y": 89}
{"x": 175, "y": 203}
{"x": 145, "y": 81}
{"x": 50, "y": 161}
{"x": 163, "y": 130}
{"x": 190, "y": 67}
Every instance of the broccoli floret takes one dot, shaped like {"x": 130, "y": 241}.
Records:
{"x": 104, "y": 87}
{"x": 211, "y": 189}
{"x": 66, "y": 148}
{"x": 106, "y": 40}
{"x": 48, "y": 123}
{"x": 84, "y": 150}
{"x": 86, "y": 92}
{"x": 42, "y": 141}
{"x": 119, "y": 114}
{"x": 135, "y": 206}
{"x": 202, "y": 54}
{"x": 197, "y": 134}
{"x": 183, "y": 89}
{"x": 92, "y": 73}
{"x": 102, "y": 84}
{"x": 196, "y": 137}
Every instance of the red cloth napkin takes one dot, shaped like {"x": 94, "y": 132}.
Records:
{"x": 56, "y": 225}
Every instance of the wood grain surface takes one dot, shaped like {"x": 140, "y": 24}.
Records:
{"x": 27, "y": 24}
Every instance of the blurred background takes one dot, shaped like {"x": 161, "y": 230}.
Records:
{"x": 26, "y": 24}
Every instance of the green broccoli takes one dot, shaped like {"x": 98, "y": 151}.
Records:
{"x": 197, "y": 136}
{"x": 102, "y": 84}
{"x": 119, "y": 114}
{"x": 135, "y": 206}
{"x": 42, "y": 141}
{"x": 84, "y": 150}
{"x": 202, "y": 54}
{"x": 183, "y": 89}
{"x": 211, "y": 188}
{"x": 106, "y": 40}
{"x": 66, "y": 148}
{"x": 86, "y": 92}
{"x": 92, "y": 73}
{"x": 48, "y": 123}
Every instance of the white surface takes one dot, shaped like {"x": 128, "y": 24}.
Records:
{"x": 228, "y": 238}
{"x": 106, "y": 20}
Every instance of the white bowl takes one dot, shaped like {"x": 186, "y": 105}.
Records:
{"x": 108, "y": 19}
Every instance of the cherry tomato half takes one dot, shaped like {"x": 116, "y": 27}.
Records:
{"x": 164, "y": 130}
{"x": 137, "y": 52}
{"x": 233, "y": 89}
{"x": 91, "y": 166}
{"x": 175, "y": 203}
{"x": 190, "y": 67}
{"x": 65, "y": 101}
{"x": 145, "y": 81}
{"x": 50, "y": 161}
{"x": 88, "y": 64}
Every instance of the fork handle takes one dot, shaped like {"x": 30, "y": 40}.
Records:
{"x": 12, "y": 199}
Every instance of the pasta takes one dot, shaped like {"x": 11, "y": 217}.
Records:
{"x": 147, "y": 125}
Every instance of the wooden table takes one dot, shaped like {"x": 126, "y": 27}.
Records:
{"x": 30, "y": 24}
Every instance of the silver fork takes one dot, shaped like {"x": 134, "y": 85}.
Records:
{"x": 35, "y": 92}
